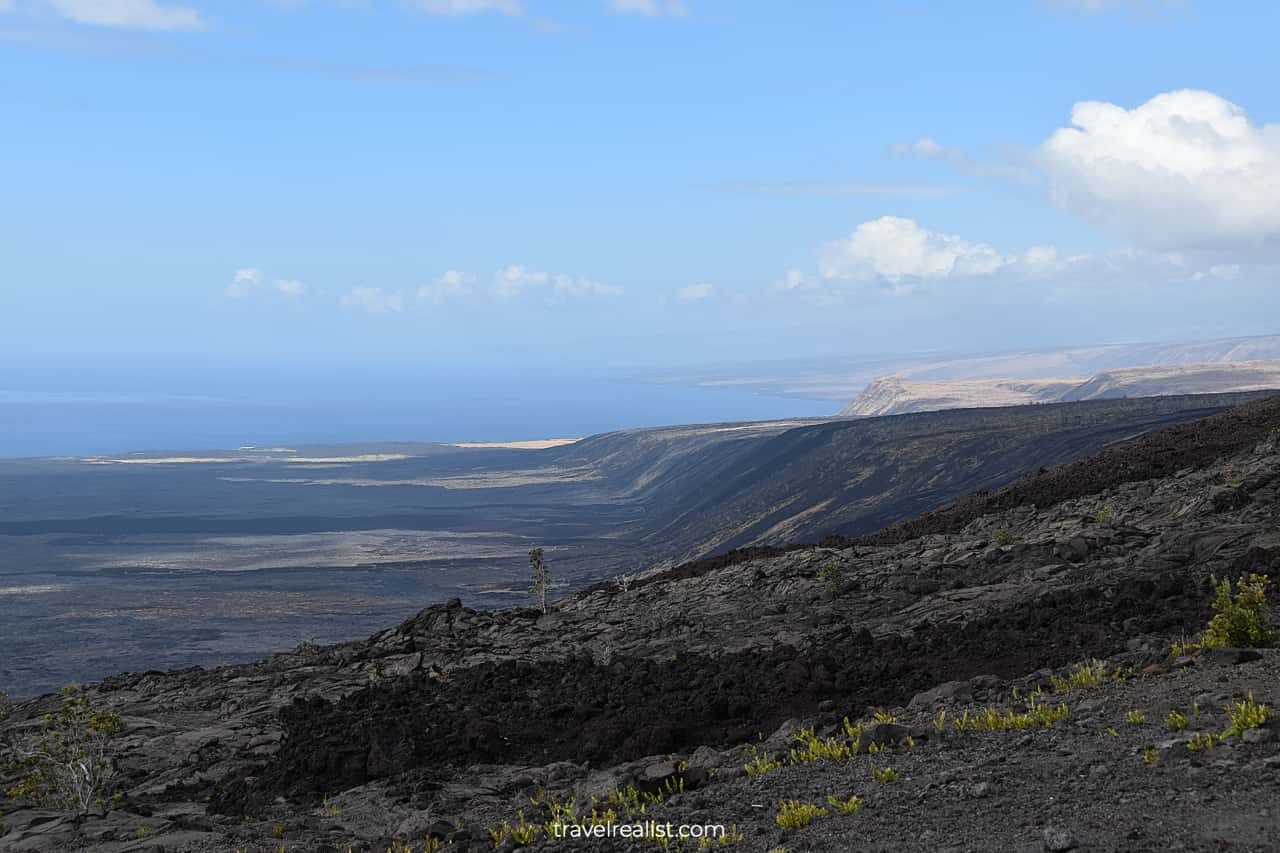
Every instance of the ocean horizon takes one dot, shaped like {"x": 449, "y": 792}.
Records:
{"x": 80, "y": 413}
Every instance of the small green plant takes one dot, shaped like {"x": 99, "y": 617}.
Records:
{"x": 833, "y": 577}
{"x": 853, "y": 805}
{"x": 307, "y": 648}
{"x": 539, "y": 577}
{"x": 69, "y": 764}
{"x": 883, "y": 716}
{"x": 1096, "y": 673}
{"x": 760, "y": 763}
{"x": 277, "y": 831}
{"x": 1242, "y": 619}
{"x": 1149, "y": 755}
{"x": 1201, "y": 741}
{"x": 523, "y": 832}
{"x": 1246, "y": 715}
{"x": 884, "y": 775}
{"x": 794, "y": 814}
{"x": 1177, "y": 721}
{"x": 1137, "y": 717}
{"x": 1002, "y": 537}
{"x": 1104, "y": 515}
{"x": 1112, "y": 731}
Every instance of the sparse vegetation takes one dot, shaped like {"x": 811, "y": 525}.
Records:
{"x": 1242, "y": 619}
{"x": 69, "y": 764}
{"x": 833, "y": 577}
{"x": 1176, "y": 720}
{"x": 884, "y": 775}
{"x": 539, "y": 577}
{"x": 1104, "y": 515}
{"x": 1201, "y": 741}
{"x": 853, "y": 805}
{"x": 1149, "y": 755}
{"x": 1244, "y": 715}
{"x": 793, "y": 814}
{"x": 991, "y": 719}
{"x": 1002, "y": 537}
{"x": 1093, "y": 674}
{"x": 1137, "y": 717}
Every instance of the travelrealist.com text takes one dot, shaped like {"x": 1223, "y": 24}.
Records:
{"x": 645, "y": 829}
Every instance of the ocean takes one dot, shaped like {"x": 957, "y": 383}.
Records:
{"x": 108, "y": 410}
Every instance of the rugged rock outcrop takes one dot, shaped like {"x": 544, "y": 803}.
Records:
{"x": 449, "y": 723}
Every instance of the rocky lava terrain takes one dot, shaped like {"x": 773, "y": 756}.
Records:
{"x": 457, "y": 721}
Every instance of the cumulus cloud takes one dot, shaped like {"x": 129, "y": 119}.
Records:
{"x": 650, "y": 8}
{"x": 250, "y": 281}
{"x": 467, "y": 7}
{"x": 514, "y": 282}
{"x": 130, "y": 14}
{"x": 1185, "y": 170}
{"x": 893, "y": 248}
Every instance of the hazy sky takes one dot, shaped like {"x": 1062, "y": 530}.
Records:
{"x": 628, "y": 182}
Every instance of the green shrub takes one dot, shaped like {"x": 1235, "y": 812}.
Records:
{"x": 1243, "y": 619}
{"x": 884, "y": 775}
{"x": 1177, "y": 721}
{"x": 833, "y": 577}
{"x": 794, "y": 814}
{"x": 1246, "y": 715}
{"x": 853, "y": 805}
{"x": 69, "y": 765}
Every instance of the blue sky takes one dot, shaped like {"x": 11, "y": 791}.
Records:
{"x": 624, "y": 183}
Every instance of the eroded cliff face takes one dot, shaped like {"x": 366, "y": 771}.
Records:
{"x": 451, "y": 721}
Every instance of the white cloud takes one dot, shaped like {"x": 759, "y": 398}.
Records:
{"x": 694, "y": 293}
{"x": 452, "y": 285}
{"x": 892, "y": 249}
{"x": 1185, "y": 170}
{"x": 650, "y": 8}
{"x": 130, "y": 14}
{"x": 249, "y": 281}
{"x": 467, "y": 7}
{"x": 373, "y": 300}
{"x": 513, "y": 282}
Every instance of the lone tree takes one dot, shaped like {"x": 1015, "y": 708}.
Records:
{"x": 540, "y": 578}
{"x": 69, "y": 763}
